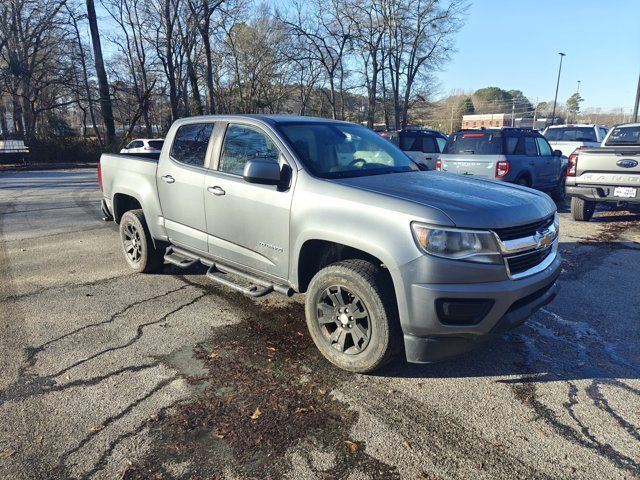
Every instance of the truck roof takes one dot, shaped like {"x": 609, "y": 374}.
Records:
{"x": 571, "y": 125}
{"x": 270, "y": 119}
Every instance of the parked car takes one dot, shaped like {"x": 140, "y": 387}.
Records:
{"x": 514, "y": 155}
{"x": 610, "y": 174}
{"x": 422, "y": 145}
{"x": 143, "y": 145}
{"x": 387, "y": 255}
{"x": 13, "y": 151}
{"x": 567, "y": 138}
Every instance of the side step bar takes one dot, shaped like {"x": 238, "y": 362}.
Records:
{"x": 217, "y": 272}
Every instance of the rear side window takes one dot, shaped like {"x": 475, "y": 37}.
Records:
{"x": 190, "y": 143}
{"x": 441, "y": 143}
{"x": 157, "y": 144}
{"x": 529, "y": 144}
{"x": 477, "y": 143}
{"x": 624, "y": 136}
{"x": 416, "y": 142}
{"x": 243, "y": 143}
{"x": 571, "y": 134}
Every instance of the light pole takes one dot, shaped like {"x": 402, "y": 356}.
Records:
{"x": 555, "y": 100}
{"x": 578, "y": 90}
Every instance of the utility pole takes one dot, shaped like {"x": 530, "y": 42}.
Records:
{"x": 578, "y": 90}
{"x": 535, "y": 114}
{"x": 555, "y": 100}
{"x": 635, "y": 108}
{"x": 451, "y": 128}
{"x": 513, "y": 114}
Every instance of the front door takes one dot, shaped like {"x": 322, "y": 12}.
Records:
{"x": 552, "y": 163}
{"x": 248, "y": 224}
{"x": 180, "y": 180}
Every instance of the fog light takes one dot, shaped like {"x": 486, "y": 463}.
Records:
{"x": 453, "y": 311}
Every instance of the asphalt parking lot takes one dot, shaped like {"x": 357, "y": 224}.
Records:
{"x": 109, "y": 374}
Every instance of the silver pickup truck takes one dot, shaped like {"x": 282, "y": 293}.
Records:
{"x": 610, "y": 174}
{"x": 389, "y": 256}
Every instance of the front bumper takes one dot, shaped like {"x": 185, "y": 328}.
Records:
{"x": 427, "y": 339}
{"x": 600, "y": 193}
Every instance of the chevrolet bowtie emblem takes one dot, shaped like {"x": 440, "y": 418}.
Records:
{"x": 543, "y": 238}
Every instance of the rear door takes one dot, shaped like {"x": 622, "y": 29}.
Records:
{"x": 247, "y": 223}
{"x": 420, "y": 146}
{"x": 181, "y": 174}
{"x": 533, "y": 162}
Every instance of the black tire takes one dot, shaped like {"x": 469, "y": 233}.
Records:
{"x": 523, "y": 181}
{"x": 582, "y": 210}
{"x": 559, "y": 193}
{"x": 137, "y": 244}
{"x": 373, "y": 304}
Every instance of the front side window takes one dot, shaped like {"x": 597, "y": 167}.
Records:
{"x": 243, "y": 143}
{"x": 335, "y": 150}
{"x": 190, "y": 143}
{"x": 543, "y": 145}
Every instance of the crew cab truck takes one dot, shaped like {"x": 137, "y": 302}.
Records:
{"x": 516, "y": 155}
{"x": 567, "y": 138}
{"x": 390, "y": 257}
{"x": 610, "y": 174}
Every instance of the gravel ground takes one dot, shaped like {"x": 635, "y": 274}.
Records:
{"x": 109, "y": 374}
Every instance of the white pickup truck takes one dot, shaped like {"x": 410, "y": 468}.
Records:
{"x": 567, "y": 138}
{"x": 609, "y": 174}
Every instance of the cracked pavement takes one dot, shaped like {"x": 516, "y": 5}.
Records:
{"x": 109, "y": 374}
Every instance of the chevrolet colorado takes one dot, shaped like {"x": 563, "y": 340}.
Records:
{"x": 390, "y": 257}
{"x": 610, "y": 174}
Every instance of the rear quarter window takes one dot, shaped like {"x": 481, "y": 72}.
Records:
{"x": 624, "y": 136}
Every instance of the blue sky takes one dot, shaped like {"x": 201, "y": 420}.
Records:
{"x": 515, "y": 45}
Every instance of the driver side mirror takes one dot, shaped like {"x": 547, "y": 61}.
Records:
{"x": 557, "y": 153}
{"x": 262, "y": 171}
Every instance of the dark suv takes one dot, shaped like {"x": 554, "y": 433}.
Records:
{"x": 421, "y": 144}
{"x": 515, "y": 155}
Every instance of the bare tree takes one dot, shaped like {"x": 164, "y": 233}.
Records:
{"x": 103, "y": 84}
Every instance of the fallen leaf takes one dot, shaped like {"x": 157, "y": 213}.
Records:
{"x": 39, "y": 439}
{"x": 213, "y": 355}
{"x": 322, "y": 391}
{"x": 7, "y": 453}
{"x": 97, "y": 428}
{"x": 271, "y": 348}
{"x": 303, "y": 409}
{"x": 406, "y": 444}
{"x": 256, "y": 414}
{"x": 352, "y": 446}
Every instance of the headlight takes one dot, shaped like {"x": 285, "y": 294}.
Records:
{"x": 472, "y": 246}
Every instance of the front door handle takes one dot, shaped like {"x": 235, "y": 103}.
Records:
{"x": 168, "y": 179}
{"x": 216, "y": 190}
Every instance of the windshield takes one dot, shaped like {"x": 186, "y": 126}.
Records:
{"x": 475, "y": 143}
{"x": 571, "y": 134}
{"x": 624, "y": 136}
{"x": 334, "y": 150}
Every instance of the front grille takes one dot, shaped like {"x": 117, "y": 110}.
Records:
{"x": 525, "y": 261}
{"x": 522, "y": 231}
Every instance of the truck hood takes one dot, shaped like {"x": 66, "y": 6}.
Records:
{"x": 468, "y": 202}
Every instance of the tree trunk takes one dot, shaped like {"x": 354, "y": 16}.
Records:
{"x": 195, "y": 92}
{"x": 103, "y": 84}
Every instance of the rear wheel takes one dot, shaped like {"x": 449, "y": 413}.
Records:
{"x": 582, "y": 210}
{"x": 524, "y": 181}
{"x": 137, "y": 244}
{"x": 352, "y": 316}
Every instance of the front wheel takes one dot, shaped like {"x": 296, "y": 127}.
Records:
{"x": 352, "y": 316}
{"x": 137, "y": 244}
{"x": 582, "y": 210}
{"x": 559, "y": 193}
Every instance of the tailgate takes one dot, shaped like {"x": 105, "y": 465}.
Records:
{"x": 477, "y": 165}
{"x": 609, "y": 166}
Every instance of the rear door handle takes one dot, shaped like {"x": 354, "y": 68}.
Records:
{"x": 216, "y": 190}
{"x": 168, "y": 179}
